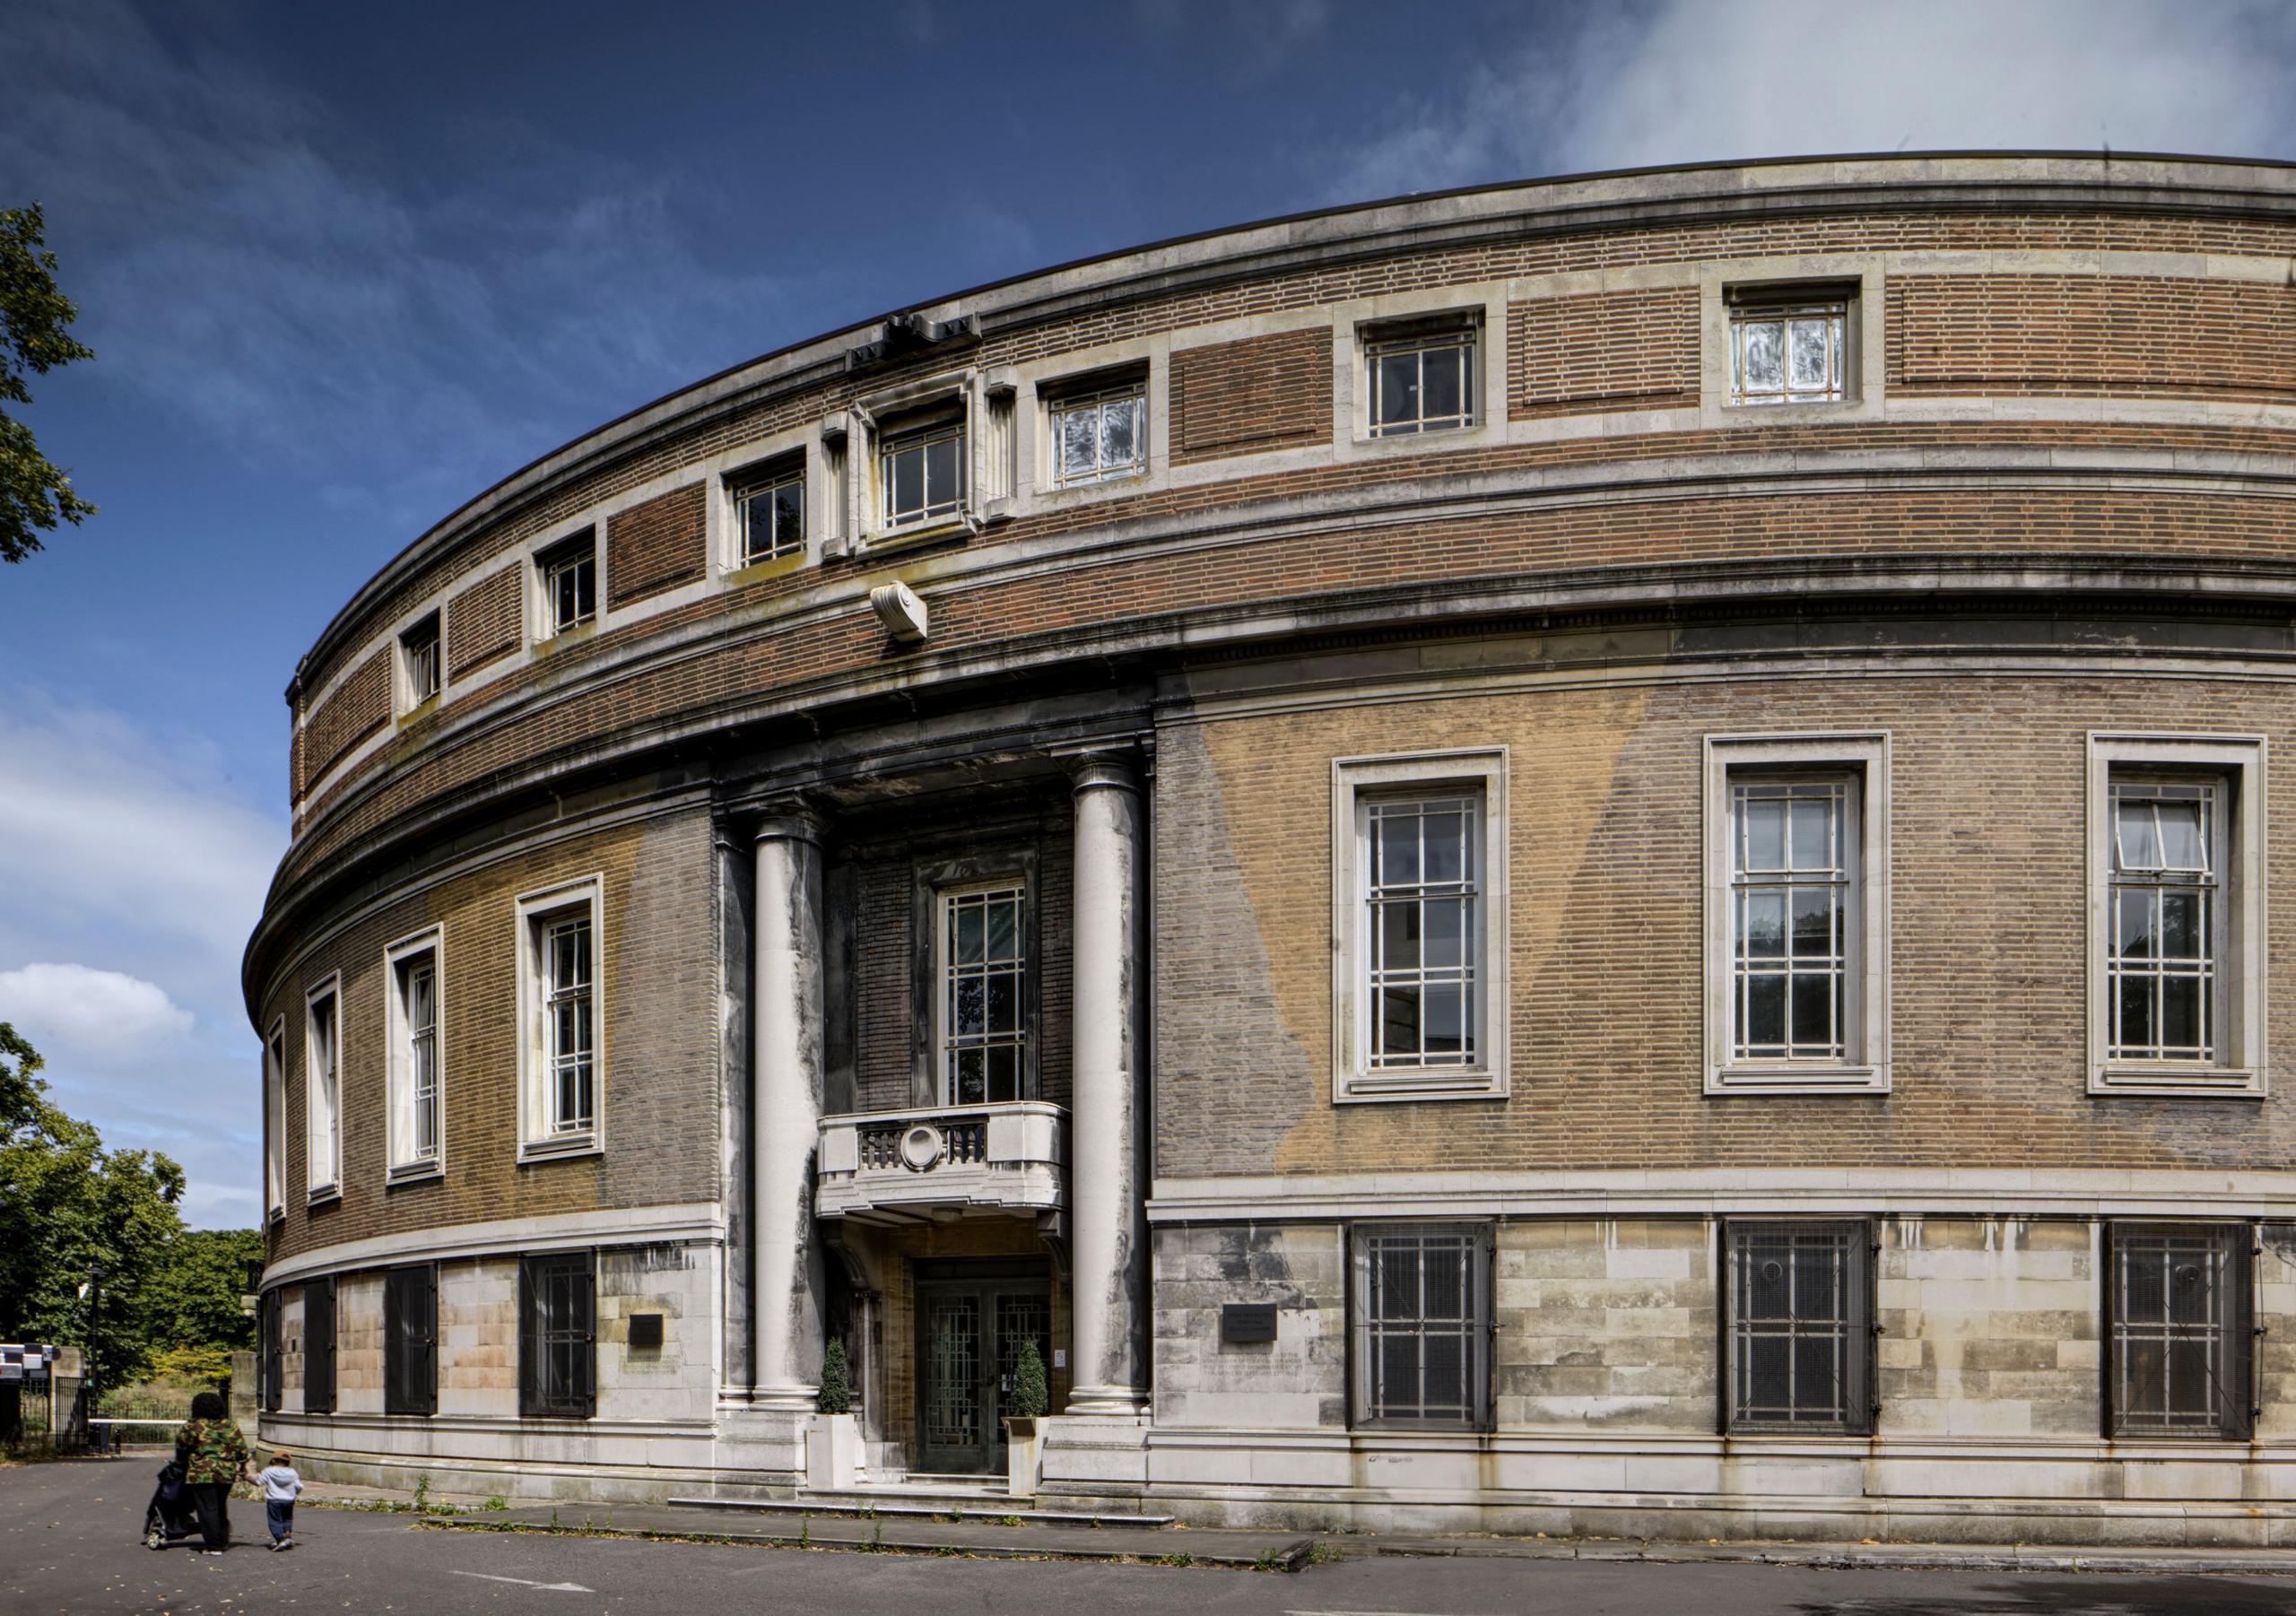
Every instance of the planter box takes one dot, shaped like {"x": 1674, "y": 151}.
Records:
{"x": 832, "y": 1452}
{"x": 1023, "y": 1456}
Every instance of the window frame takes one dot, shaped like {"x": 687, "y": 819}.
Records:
{"x": 1026, "y": 1051}
{"x": 760, "y": 479}
{"x": 404, "y": 1392}
{"x": 327, "y": 990}
{"x": 413, "y": 694}
{"x": 1356, "y": 783}
{"x": 2234, "y": 1323}
{"x": 1860, "y": 1277}
{"x": 550, "y": 560}
{"x": 2240, "y": 1069}
{"x": 1730, "y": 758}
{"x": 1096, "y": 390}
{"x": 538, "y": 1139}
{"x": 536, "y": 1398}
{"x": 1743, "y": 302}
{"x": 403, "y": 1162}
{"x": 1462, "y": 328}
{"x": 922, "y": 426}
{"x": 1480, "y": 1323}
{"x": 275, "y": 1118}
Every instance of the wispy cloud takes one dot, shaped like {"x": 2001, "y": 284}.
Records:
{"x": 70, "y": 1011}
{"x": 1687, "y": 81}
{"x": 304, "y": 305}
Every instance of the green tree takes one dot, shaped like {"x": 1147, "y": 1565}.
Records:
{"x": 836, "y": 1390}
{"x": 1030, "y": 1395}
{"x": 34, "y": 493}
{"x": 68, "y": 1203}
{"x": 196, "y": 1294}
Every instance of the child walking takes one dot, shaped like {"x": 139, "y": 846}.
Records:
{"x": 280, "y": 1486}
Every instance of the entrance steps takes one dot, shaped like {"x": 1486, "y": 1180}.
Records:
{"x": 938, "y": 1498}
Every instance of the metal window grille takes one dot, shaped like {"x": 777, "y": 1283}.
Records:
{"x": 1793, "y": 895}
{"x": 1423, "y": 905}
{"x": 1422, "y": 1324}
{"x": 984, "y": 973}
{"x": 423, "y": 662}
{"x": 773, "y": 516}
{"x": 568, "y": 1022}
{"x": 320, "y": 1167}
{"x": 421, "y": 989}
{"x": 2179, "y": 1302}
{"x": 569, "y": 579}
{"x": 410, "y": 1339}
{"x": 921, "y": 474}
{"x": 1800, "y": 1326}
{"x": 558, "y": 1369}
{"x": 2168, "y": 911}
{"x": 1789, "y": 353}
{"x": 319, "y": 1346}
{"x": 1098, "y": 436}
{"x": 1422, "y": 383}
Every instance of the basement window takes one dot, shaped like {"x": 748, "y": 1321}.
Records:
{"x": 1422, "y": 1324}
{"x": 1800, "y": 1326}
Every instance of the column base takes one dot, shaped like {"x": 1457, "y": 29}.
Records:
{"x": 790, "y": 1398}
{"x": 1108, "y": 1402}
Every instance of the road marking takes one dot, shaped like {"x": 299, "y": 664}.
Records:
{"x": 1362, "y": 1613}
{"x": 547, "y": 1588}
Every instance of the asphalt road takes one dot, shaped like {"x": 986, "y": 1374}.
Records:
{"x": 69, "y": 1543}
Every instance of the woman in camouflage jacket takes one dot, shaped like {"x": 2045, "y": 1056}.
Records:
{"x": 214, "y": 1455}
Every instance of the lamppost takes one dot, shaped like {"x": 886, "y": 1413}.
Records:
{"x": 95, "y": 1311}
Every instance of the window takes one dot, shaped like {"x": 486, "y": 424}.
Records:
{"x": 771, "y": 512}
{"x": 1800, "y": 1326}
{"x": 322, "y": 1097}
{"x": 1789, "y": 344}
{"x": 2178, "y": 1302}
{"x": 268, "y": 1370}
{"x": 1101, "y": 434}
{"x": 319, "y": 1346}
{"x": 570, "y": 583}
{"x": 558, "y": 1369}
{"x": 921, "y": 472}
{"x": 984, "y": 984}
{"x": 2176, "y": 952}
{"x": 1422, "y": 379}
{"x": 410, "y": 1339}
{"x": 560, "y": 1057}
{"x": 418, "y": 653}
{"x": 1422, "y": 1324}
{"x": 1797, "y": 924}
{"x": 1420, "y": 887}
{"x": 275, "y": 1118}
{"x": 416, "y": 1145}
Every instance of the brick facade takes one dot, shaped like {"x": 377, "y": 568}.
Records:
{"x": 657, "y": 545}
{"x": 1244, "y": 397}
{"x": 358, "y": 708}
{"x": 1602, "y": 351}
{"x": 483, "y": 622}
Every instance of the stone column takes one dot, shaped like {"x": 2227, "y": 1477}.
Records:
{"x": 785, "y": 1112}
{"x": 1107, "y": 1259}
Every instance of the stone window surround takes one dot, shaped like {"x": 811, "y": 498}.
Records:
{"x": 1358, "y": 323}
{"x": 931, "y": 882}
{"x": 330, "y": 990}
{"x": 406, "y": 702}
{"x": 1482, "y": 770}
{"x": 1866, "y": 752}
{"x": 401, "y": 1166}
{"x": 543, "y": 627}
{"x": 274, "y": 1119}
{"x": 1863, "y": 337}
{"x": 1484, "y": 1276}
{"x": 534, "y": 910}
{"x": 862, "y": 424}
{"x": 1047, "y": 394}
{"x": 726, "y": 486}
{"x": 2241, "y": 1073}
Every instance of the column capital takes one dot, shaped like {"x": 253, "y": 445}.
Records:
{"x": 789, "y": 820}
{"x": 1100, "y": 770}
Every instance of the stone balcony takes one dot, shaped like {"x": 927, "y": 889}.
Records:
{"x": 931, "y": 1165}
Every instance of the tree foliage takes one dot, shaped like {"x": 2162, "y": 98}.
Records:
{"x": 34, "y": 493}
{"x": 837, "y": 1387}
{"x": 1030, "y": 1395}
{"x": 66, "y": 1202}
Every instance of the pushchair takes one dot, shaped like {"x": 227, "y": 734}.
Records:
{"x": 170, "y": 1517}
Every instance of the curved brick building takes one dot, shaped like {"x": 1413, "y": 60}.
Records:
{"x": 1596, "y": 855}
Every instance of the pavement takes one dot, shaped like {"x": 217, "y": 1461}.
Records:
{"x": 69, "y": 1544}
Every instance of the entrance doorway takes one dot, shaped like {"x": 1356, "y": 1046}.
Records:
{"x": 971, "y": 1319}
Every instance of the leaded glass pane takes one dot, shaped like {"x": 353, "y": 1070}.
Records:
{"x": 1789, "y": 355}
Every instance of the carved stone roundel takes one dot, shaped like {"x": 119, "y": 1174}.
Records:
{"x": 922, "y": 1148}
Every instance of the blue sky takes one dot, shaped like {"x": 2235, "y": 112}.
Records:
{"x": 343, "y": 267}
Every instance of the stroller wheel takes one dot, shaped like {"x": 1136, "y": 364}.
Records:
{"x": 152, "y": 1540}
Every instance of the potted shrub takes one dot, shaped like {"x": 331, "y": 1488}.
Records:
{"x": 832, "y": 1436}
{"x": 1023, "y": 1423}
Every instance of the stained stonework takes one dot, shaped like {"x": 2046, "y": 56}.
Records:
{"x": 1298, "y": 1379}
{"x": 1606, "y": 1324}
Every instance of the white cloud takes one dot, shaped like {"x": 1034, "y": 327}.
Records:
{"x": 1690, "y": 81}
{"x": 70, "y": 1011}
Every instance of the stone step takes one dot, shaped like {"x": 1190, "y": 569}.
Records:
{"x": 908, "y": 1503}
